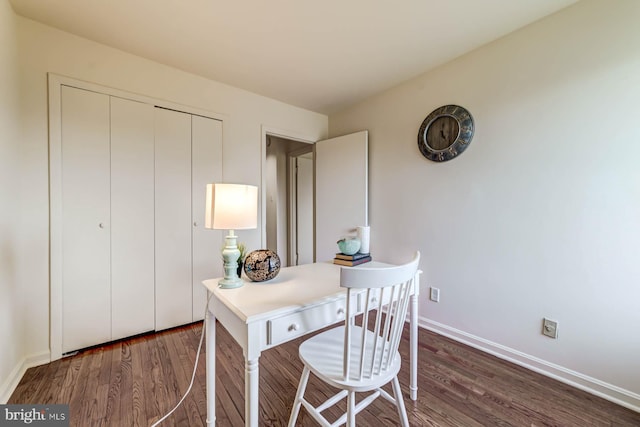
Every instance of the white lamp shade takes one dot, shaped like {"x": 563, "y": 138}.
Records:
{"x": 231, "y": 206}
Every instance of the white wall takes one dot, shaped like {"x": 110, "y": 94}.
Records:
{"x": 44, "y": 49}
{"x": 540, "y": 216}
{"x": 11, "y": 321}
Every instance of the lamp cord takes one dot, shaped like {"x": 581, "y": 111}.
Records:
{"x": 193, "y": 375}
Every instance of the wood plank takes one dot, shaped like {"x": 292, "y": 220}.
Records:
{"x": 113, "y": 404}
{"x": 89, "y": 403}
{"x": 139, "y": 351}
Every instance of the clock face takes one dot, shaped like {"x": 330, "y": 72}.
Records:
{"x": 445, "y": 133}
{"x": 442, "y": 133}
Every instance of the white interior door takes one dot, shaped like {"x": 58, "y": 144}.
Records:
{"x": 174, "y": 294}
{"x": 341, "y": 190}
{"x": 132, "y": 229}
{"x": 86, "y": 292}
{"x": 206, "y": 146}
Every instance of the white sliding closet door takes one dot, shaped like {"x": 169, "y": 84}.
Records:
{"x": 206, "y": 158}
{"x": 132, "y": 257}
{"x": 127, "y": 192}
{"x": 85, "y": 173}
{"x": 107, "y": 218}
{"x": 174, "y": 294}
{"x": 188, "y": 157}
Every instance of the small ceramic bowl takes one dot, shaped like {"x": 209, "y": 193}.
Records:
{"x": 349, "y": 245}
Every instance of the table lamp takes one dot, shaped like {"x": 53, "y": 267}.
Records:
{"x": 231, "y": 207}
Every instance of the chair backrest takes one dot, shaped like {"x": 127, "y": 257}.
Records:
{"x": 386, "y": 290}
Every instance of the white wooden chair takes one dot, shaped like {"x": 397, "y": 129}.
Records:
{"x": 358, "y": 358}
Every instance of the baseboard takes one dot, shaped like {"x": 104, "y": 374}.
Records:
{"x": 591, "y": 385}
{"x": 10, "y": 384}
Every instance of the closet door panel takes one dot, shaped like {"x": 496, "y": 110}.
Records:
{"x": 86, "y": 314}
{"x": 174, "y": 297}
{"x": 132, "y": 218}
{"x": 206, "y": 159}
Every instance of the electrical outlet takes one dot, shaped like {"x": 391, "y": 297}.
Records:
{"x": 550, "y": 328}
{"x": 435, "y": 294}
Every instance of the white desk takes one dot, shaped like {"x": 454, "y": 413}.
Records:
{"x": 300, "y": 300}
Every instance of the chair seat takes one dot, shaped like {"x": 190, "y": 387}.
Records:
{"x": 323, "y": 354}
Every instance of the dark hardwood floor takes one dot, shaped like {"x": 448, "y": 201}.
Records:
{"x": 134, "y": 382}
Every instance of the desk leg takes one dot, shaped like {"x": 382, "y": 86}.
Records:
{"x": 413, "y": 387}
{"x": 210, "y": 326}
{"x": 251, "y": 392}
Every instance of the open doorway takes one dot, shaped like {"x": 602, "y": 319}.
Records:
{"x": 289, "y": 199}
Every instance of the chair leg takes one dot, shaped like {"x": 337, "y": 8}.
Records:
{"x": 351, "y": 409}
{"x": 300, "y": 393}
{"x": 397, "y": 394}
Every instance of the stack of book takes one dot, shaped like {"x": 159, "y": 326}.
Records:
{"x": 351, "y": 260}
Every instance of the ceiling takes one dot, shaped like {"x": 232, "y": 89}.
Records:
{"x": 321, "y": 55}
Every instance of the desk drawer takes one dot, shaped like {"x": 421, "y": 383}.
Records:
{"x": 290, "y": 326}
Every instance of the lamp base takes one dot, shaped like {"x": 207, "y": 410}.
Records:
{"x": 230, "y": 254}
{"x": 230, "y": 283}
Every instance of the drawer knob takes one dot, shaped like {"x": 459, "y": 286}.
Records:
{"x": 374, "y": 300}
{"x": 293, "y": 327}
{"x": 340, "y": 312}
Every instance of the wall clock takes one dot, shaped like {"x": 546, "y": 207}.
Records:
{"x": 445, "y": 133}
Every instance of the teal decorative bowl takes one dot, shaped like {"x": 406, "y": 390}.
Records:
{"x": 349, "y": 245}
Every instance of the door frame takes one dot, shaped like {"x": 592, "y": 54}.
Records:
{"x": 265, "y": 132}
{"x": 292, "y": 202}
